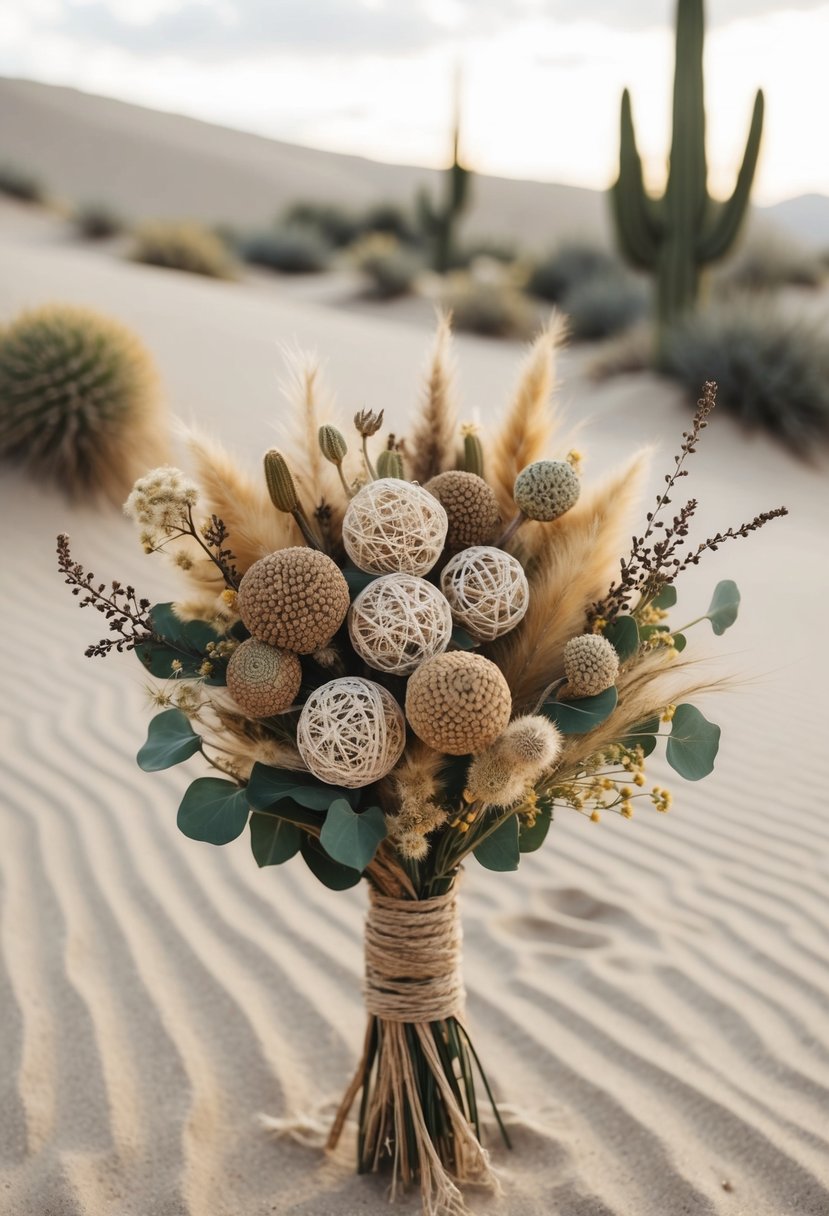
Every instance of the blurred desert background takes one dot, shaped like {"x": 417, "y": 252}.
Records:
{"x": 652, "y": 995}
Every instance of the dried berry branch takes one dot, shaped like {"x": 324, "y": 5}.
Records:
{"x": 653, "y": 564}
{"x": 215, "y": 534}
{"x": 128, "y": 616}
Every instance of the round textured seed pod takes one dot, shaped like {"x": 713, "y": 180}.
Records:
{"x": 394, "y": 526}
{"x": 487, "y": 591}
{"x": 294, "y": 598}
{"x": 262, "y": 679}
{"x": 398, "y": 621}
{"x": 591, "y": 665}
{"x": 471, "y": 506}
{"x": 546, "y": 489}
{"x": 458, "y": 702}
{"x": 351, "y": 732}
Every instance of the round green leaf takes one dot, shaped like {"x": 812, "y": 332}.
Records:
{"x": 352, "y": 837}
{"x": 273, "y": 841}
{"x": 499, "y": 851}
{"x": 213, "y": 810}
{"x": 330, "y": 873}
{"x": 530, "y": 839}
{"x": 692, "y": 744}
{"x": 666, "y": 597}
{"x": 170, "y": 739}
{"x": 623, "y": 635}
{"x": 269, "y": 786}
{"x": 725, "y": 604}
{"x": 579, "y": 717}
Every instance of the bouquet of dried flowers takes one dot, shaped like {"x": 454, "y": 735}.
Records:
{"x": 397, "y": 660}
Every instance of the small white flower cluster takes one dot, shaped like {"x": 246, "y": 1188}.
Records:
{"x": 160, "y": 503}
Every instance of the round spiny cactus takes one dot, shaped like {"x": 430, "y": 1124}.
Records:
{"x": 79, "y": 401}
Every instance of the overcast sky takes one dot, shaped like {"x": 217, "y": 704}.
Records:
{"x": 541, "y": 78}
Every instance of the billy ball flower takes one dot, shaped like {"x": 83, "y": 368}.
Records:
{"x": 262, "y": 679}
{"x": 471, "y": 506}
{"x": 458, "y": 702}
{"x": 546, "y": 489}
{"x": 591, "y": 665}
{"x": 295, "y": 599}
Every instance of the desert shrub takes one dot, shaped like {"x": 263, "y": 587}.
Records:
{"x": 20, "y": 184}
{"x": 573, "y": 262}
{"x": 392, "y": 219}
{"x": 493, "y": 308}
{"x": 337, "y": 226}
{"x": 772, "y": 370}
{"x": 97, "y": 221}
{"x": 604, "y": 304}
{"x": 183, "y": 246}
{"x": 293, "y": 249}
{"x": 627, "y": 352}
{"x": 768, "y": 263}
{"x": 79, "y": 401}
{"x": 390, "y": 268}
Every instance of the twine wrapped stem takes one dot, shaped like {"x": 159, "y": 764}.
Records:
{"x": 418, "y": 1111}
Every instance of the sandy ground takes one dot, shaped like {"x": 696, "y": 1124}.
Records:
{"x": 652, "y": 994}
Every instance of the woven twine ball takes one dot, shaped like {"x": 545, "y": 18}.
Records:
{"x": 591, "y": 665}
{"x": 262, "y": 679}
{"x": 351, "y": 732}
{"x": 487, "y": 591}
{"x": 471, "y": 505}
{"x": 294, "y": 598}
{"x": 394, "y": 526}
{"x": 398, "y": 621}
{"x": 546, "y": 489}
{"x": 458, "y": 702}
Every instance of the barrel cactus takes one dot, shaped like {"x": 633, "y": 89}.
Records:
{"x": 79, "y": 401}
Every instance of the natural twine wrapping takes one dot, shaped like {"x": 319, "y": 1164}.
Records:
{"x": 412, "y": 985}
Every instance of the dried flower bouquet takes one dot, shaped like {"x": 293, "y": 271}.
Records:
{"x": 396, "y": 659}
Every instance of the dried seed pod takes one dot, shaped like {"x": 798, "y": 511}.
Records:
{"x": 546, "y": 489}
{"x": 470, "y": 504}
{"x": 294, "y": 598}
{"x": 591, "y": 665}
{"x": 458, "y": 702}
{"x": 262, "y": 679}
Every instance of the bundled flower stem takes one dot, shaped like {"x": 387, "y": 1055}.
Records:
{"x": 404, "y": 695}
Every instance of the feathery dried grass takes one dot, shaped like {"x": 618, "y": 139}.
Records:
{"x": 574, "y": 561}
{"x": 431, "y": 446}
{"x": 254, "y": 525}
{"x": 311, "y": 405}
{"x": 528, "y": 428}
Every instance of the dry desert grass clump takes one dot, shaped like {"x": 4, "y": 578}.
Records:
{"x": 183, "y": 246}
{"x": 79, "y": 401}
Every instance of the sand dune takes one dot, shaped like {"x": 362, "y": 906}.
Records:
{"x": 652, "y": 995}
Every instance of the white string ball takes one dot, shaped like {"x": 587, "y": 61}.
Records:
{"x": 487, "y": 591}
{"x": 394, "y": 526}
{"x": 351, "y": 732}
{"x": 398, "y": 621}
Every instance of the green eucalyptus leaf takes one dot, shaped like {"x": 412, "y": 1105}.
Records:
{"x": 273, "y": 841}
{"x": 462, "y": 640}
{"x": 692, "y": 744}
{"x": 268, "y": 787}
{"x": 352, "y": 837}
{"x": 331, "y": 873}
{"x": 499, "y": 851}
{"x": 170, "y": 739}
{"x": 666, "y": 597}
{"x": 643, "y": 735}
{"x": 623, "y": 635}
{"x": 530, "y": 839}
{"x": 580, "y": 716}
{"x": 213, "y": 810}
{"x": 680, "y": 641}
{"x": 181, "y": 642}
{"x": 357, "y": 580}
{"x": 724, "y": 606}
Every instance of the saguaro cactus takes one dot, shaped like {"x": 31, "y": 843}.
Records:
{"x": 673, "y": 237}
{"x": 438, "y": 220}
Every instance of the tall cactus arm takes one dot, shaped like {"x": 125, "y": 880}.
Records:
{"x": 634, "y": 212}
{"x": 721, "y": 231}
{"x": 687, "y": 194}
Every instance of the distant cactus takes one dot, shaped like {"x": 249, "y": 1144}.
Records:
{"x": 675, "y": 236}
{"x": 79, "y": 402}
{"x": 183, "y": 246}
{"x": 438, "y": 220}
